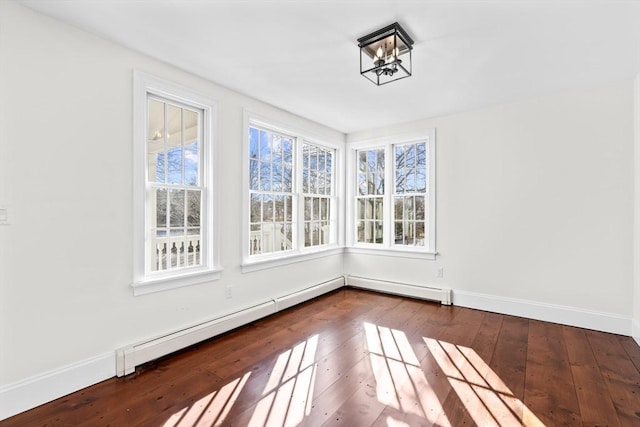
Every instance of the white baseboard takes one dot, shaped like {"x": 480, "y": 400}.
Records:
{"x": 34, "y": 391}
{"x": 636, "y": 331}
{"x": 442, "y": 295}
{"x": 599, "y": 321}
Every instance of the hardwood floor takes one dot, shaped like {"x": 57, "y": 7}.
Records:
{"x": 356, "y": 358}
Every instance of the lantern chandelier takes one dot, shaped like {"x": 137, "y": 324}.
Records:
{"x": 385, "y": 54}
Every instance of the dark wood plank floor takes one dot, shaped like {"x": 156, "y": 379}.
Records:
{"x": 356, "y": 358}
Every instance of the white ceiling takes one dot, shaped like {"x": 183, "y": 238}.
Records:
{"x": 302, "y": 55}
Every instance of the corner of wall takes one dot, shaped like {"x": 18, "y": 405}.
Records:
{"x": 636, "y": 211}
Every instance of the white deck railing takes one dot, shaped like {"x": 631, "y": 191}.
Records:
{"x": 176, "y": 251}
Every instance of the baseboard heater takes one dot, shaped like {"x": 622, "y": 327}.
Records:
{"x": 442, "y": 295}
{"x": 129, "y": 357}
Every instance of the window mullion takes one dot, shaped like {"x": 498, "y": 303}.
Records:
{"x": 298, "y": 195}
{"x": 389, "y": 191}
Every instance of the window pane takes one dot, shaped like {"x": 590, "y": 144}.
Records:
{"x": 160, "y": 165}
{"x": 161, "y": 207}
{"x": 193, "y": 208}
{"x": 378, "y": 214}
{"x": 279, "y": 236}
{"x": 287, "y": 151}
{"x": 316, "y": 208}
{"x": 420, "y": 234}
{"x": 253, "y": 143}
{"x": 276, "y": 177}
{"x": 378, "y": 232}
{"x": 176, "y": 208}
{"x": 362, "y": 161}
{"x": 324, "y": 209}
{"x": 400, "y": 180}
{"x": 398, "y": 206}
{"x": 288, "y": 230}
{"x": 408, "y": 232}
{"x": 308, "y": 208}
{"x": 420, "y": 208}
{"x": 398, "y": 233}
{"x": 256, "y": 208}
{"x": 191, "y": 164}
{"x": 289, "y": 208}
{"x": 362, "y": 184}
{"x": 254, "y": 180}
{"x": 279, "y": 208}
{"x": 368, "y": 208}
{"x": 400, "y": 165}
{"x": 174, "y": 125}
{"x": 408, "y": 208}
{"x": 191, "y": 127}
{"x": 305, "y": 180}
{"x": 421, "y": 155}
{"x": 255, "y": 239}
{"x": 276, "y": 148}
{"x": 410, "y": 180}
{"x": 372, "y": 160}
{"x": 324, "y": 233}
{"x": 155, "y": 122}
{"x": 410, "y": 153}
{"x": 361, "y": 208}
{"x": 265, "y": 176}
{"x": 174, "y": 166}
{"x": 379, "y": 183}
{"x": 267, "y": 208}
{"x": 155, "y": 141}
{"x": 287, "y": 180}
{"x": 265, "y": 145}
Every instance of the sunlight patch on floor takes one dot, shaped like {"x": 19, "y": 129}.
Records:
{"x": 400, "y": 382}
{"x": 485, "y": 396}
{"x": 288, "y": 394}
{"x": 211, "y": 410}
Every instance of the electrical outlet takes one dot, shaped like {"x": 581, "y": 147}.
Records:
{"x": 440, "y": 272}
{"x": 227, "y": 292}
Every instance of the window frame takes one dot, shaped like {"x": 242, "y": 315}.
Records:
{"x": 388, "y": 247}
{"x": 299, "y": 252}
{"x": 145, "y": 280}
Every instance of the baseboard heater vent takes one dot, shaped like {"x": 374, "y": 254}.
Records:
{"x": 307, "y": 294}
{"x": 442, "y": 295}
{"x": 128, "y": 358}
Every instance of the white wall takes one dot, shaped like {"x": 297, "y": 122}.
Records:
{"x": 534, "y": 204}
{"x": 66, "y": 175}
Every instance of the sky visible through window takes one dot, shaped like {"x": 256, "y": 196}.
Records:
{"x": 174, "y": 158}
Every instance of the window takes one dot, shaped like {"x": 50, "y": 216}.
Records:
{"x": 271, "y": 189}
{"x": 291, "y": 195}
{"x": 410, "y": 195}
{"x": 393, "y": 203}
{"x": 317, "y": 189}
{"x": 174, "y": 149}
{"x": 370, "y": 196}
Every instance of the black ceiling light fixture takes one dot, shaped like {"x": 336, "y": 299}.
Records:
{"x": 385, "y": 54}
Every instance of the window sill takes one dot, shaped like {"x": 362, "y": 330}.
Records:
{"x": 401, "y": 253}
{"x": 177, "y": 281}
{"x": 290, "y": 258}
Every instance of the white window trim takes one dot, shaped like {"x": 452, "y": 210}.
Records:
{"x": 388, "y": 249}
{"x": 144, "y": 84}
{"x": 275, "y": 259}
